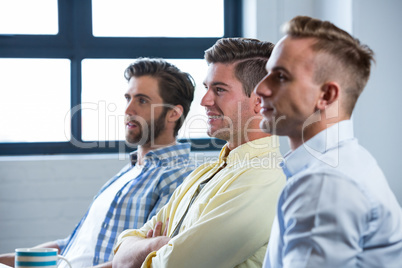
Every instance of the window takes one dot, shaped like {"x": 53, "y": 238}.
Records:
{"x": 103, "y": 103}
{"x": 48, "y": 92}
{"x": 173, "y": 18}
{"x": 34, "y": 100}
{"x": 28, "y": 17}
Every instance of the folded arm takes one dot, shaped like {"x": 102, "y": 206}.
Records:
{"x": 225, "y": 234}
{"x": 134, "y": 250}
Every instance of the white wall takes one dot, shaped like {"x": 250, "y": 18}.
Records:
{"x": 42, "y": 198}
{"x": 378, "y": 114}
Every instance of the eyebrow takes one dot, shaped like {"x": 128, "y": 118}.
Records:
{"x": 280, "y": 68}
{"x": 217, "y": 84}
{"x": 138, "y": 96}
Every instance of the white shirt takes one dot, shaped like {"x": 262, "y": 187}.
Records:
{"x": 82, "y": 250}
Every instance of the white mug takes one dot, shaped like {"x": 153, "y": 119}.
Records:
{"x": 37, "y": 258}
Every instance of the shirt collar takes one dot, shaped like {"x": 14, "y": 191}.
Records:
{"x": 316, "y": 147}
{"x": 177, "y": 153}
{"x": 248, "y": 150}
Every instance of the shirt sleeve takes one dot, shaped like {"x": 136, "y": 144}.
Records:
{"x": 62, "y": 243}
{"x": 232, "y": 227}
{"x": 161, "y": 216}
{"x": 319, "y": 225}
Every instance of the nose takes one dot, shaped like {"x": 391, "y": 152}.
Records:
{"x": 262, "y": 89}
{"x": 208, "y": 99}
{"x": 130, "y": 108}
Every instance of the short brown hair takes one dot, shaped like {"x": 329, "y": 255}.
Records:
{"x": 175, "y": 87}
{"x": 250, "y": 56}
{"x": 351, "y": 59}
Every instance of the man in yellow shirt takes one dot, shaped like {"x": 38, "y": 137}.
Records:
{"x": 221, "y": 215}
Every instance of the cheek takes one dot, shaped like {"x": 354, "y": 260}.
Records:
{"x": 223, "y": 106}
{"x": 310, "y": 98}
{"x": 302, "y": 106}
{"x": 245, "y": 110}
{"x": 289, "y": 105}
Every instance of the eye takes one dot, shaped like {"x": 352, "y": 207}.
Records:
{"x": 219, "y": 90}
{"x": 127, "y": 98}
{"x": 281, "y": 76}
{"x": 142, "y": 101}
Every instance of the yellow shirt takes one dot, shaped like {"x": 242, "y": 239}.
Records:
{"x": 229, "y": 223}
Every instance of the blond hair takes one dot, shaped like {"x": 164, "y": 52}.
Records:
{"x": 349, "y": 59}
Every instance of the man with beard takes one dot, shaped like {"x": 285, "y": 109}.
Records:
{"x": 221, "y": 215}
{"x": 158, "y": 100}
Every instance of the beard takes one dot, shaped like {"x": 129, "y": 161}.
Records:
{"x": 148, "y": 132}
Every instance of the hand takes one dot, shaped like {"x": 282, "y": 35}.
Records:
{"x": 159, "y": 238}
{"x": 134, "y": 250}
{"x": 157, "y": 231}
{"x": 7, "y": 259}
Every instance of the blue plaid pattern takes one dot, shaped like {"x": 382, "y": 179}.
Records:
{"x": 140, "y": 199}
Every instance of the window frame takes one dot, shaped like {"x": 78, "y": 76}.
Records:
{"x": 75, "y": 42}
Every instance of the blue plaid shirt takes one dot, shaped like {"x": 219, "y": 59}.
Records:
{"x": 140, "y": 199}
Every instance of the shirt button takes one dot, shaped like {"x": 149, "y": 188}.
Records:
{"x": 105, "y": 225}
{"x": 118, "y": 193}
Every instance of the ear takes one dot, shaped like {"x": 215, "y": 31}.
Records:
{"x": 175, "y": 113}
{"x": 329, "y": 94}
{"x": 256, "y": 102}
{"x": 257, "y": 105}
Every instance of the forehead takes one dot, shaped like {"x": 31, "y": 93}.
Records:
{"x": 291, "y": 53}
{"x": 146, "y": 84}
{"x": 220, "y": 72}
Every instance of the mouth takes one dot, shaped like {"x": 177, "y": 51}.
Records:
{"x": 214, "y": 116}
{"x": 266, "y": 110}
{"x": 131, "y": 125}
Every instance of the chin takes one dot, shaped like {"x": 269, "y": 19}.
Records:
{"x": 265, "y": 126}
{"x": 211, "y": 132}
{"x": 135, "y": 140}
{"x": 221, "y": 135}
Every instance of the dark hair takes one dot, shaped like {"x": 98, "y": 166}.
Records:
{"x": 175, "y": 87}
{"x": 250, "y": 56}
{"x": 352, "y": 60}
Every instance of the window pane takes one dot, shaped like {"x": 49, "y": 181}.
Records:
{"x": 103, "y": 88}
{"x": 28, "y": 17}
{"x": 34, "y": 100}
{"x": 174, "y": 18}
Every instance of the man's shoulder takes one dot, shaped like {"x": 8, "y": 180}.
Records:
{"x": 259, "y": 171}
{"x": 172, "y": 170}
{"x": 261, "y": 175}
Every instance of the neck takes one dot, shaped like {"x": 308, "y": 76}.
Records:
{"x": 159, "y": 142}
{"x": 302, "y": 136}
{"x": 237, "y": 141}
